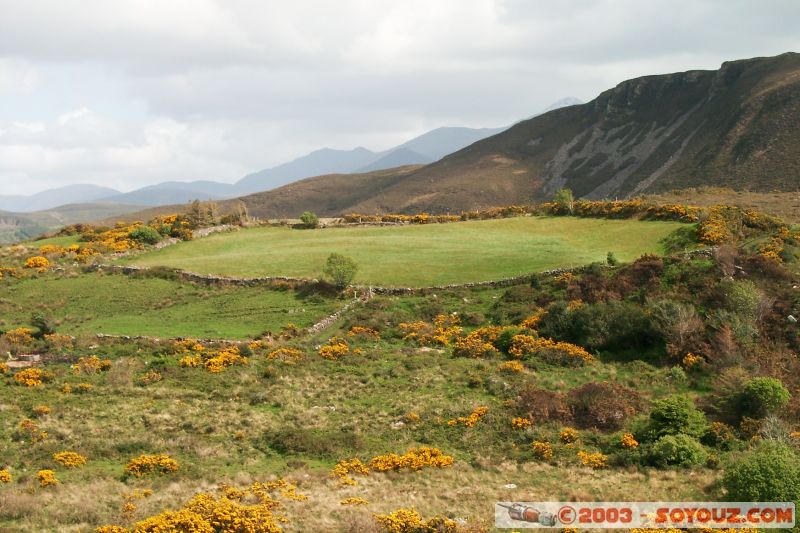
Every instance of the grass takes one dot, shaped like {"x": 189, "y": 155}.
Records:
{"x": 123, "y": 305}
{"x": 418, "y": 255}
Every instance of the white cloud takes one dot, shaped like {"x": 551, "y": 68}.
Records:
{"x": 133, "y": 92}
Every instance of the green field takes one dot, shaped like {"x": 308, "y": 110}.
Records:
{"x": 124, "y": 305}
{"x": 418, "y": 255}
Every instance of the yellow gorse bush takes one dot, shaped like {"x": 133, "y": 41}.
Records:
{"x": 542, "y": 449}
{"x": 363, "y": 331}
{"x": 211, "y": 360}
{"x": 691, "y": 360}
{"x": 151, "y": 464}
{"x": 47, "y": 478}
{"x": 5, "y": 476}
{"x": 3, "y": 369}
{"x": 471, "y": 420}
{"x": 413, "y": 459}
{"x": 287, "y": 355}
{"x": 473, "y": 345}
{"x": 628, "y": 441}
{"x": 69, "y": 459}
{"x": 33, "y": 377}
{"x": 346, "y": 467}
{"x": 514, "y": 367}
{"x": 441, "y": 332}
{"x": 20, "y": 336}
{"x": 354, "y": 501}
{"x": 91, "y": 365}
{"x": 30, "y": 429}
{"x": 594, "y": 460}
{"x": 549, "y": 350}
{"x": 568, "y": 435}
{"x": 410, "y": 521}
{"x": 250, "y": 510}
{"x": 521, "y": 423}
{"x": 335, "y": 348}
{"x": 532, "y": 322}
{"x": 38, "y": 262}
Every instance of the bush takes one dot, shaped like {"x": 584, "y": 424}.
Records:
{"x": 604, "y": 406}
{"x": 770, "y": 473}
{"x": 340, "y": 270}
{"x": 678, "y": 450}
{"x": 145, "y": 235}
{"x": 763, "y": 396}
{"x": 676, "y": 415}
{"x": 538, "y": 405}
{"x": 309, "y": 220}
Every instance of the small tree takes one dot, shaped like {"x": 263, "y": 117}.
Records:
{"x": 764, "y": 396}
{"x": 340, "y": 270}
{"x": 565, "y": 200}
{"x": 145, "y": 235}
{"x": 309, "y": 220}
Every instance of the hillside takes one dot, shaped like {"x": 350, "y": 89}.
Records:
{"x": 735, "y": 127}
{"x": 20, "y": 226}
{"x": 70, "y": 194}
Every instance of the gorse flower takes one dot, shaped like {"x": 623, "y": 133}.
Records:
{"x": 151, "y": 464}
{"x": 542, "y": 450}
{"x": 568, "y": 435}
{"x": 335, "y": 348}
{"x": 69, "y": 459}
{"x": 521, "y": 423}
{"x": 471, "y": 420}
{"x": 33, "y": 377}
{"x": 594, "y": 460}
{"x": 628, "y": 441}
{"x": 47, "y": 478}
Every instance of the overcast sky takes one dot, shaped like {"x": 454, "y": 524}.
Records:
{"x": 129, "y": 93}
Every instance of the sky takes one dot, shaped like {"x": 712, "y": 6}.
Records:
{"x": 128, "y": 93}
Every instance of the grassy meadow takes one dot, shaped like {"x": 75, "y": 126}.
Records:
{"x": 418, "y": 255}
{"x": 125, "y": 305}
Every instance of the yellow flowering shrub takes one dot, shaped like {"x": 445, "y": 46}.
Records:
{"x": 471, "y": 420}
{"x": 30, "y": 430}
{"x": 151, "y": 464}
{"x": 287, "y": 355}
{"x": 91, "y": 365}
{"x": 38, "y": 262}
{"x": 413, "y": 459}
{"x": 69, "y": 459}
{"x": 542, "y": 450}
{"x": 33, "y": 377}
{"x": 412, "y": 417}
{"x": 691, "y": 360}
{"x": 354, "y": 501}
{"x": 19, "y": 337}
{"x": 82, "y": 388}
{"x": 345, "y": 467}
{"x": 190, "y": 361}
{"x": 224, "y": 359}
{"x": 563, "y": 353}
{"x": 3, "y": 369}
{"x": 363, "y": 331}
{"x": 47, "y": 478}
{"x": 628, "y": 441}
{"x": 335, "y": 348}
{"x": 410, "y": 521}
{"x": 521, "y": 423}
{"x": 594, "y": 460}
{"x": 150, "y": 377}
{"x": 795, "y": 436}
{"x": 532, "y": 322}
{"x": 441, "y": 332}
{"x": 5, "y": 476}
{"x": 250, "y": 510}
{"x": 568, "y": 435}
{"x": 56, "y": 341}
{"x": 473, "y": 345}
{"x": 129, "y": 505}
{"x": 512, "y": 367}
{"x": 111, "y": 529}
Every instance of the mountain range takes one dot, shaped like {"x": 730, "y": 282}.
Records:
{"x": 426, "y": 148}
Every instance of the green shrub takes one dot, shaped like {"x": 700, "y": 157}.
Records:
{"x": 741, "y": 297}
{"x": 769, "y": 473}
{"x": 678, "y": 450}
{"x": 763, "y": 396}
{"x": 309, "y": 220}
{"x": 145, "y": 235}
{"x": 340, "y": 270}
{"x": 676, "y": 415}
